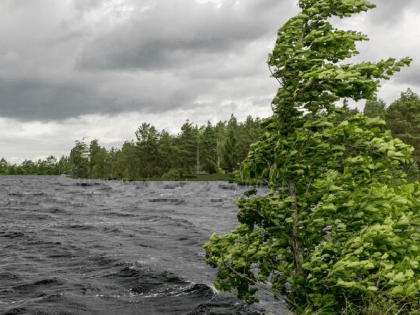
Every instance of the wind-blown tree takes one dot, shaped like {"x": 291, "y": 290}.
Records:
{"x": 403, "y": 119}
{"x": 79, "y": 160}
{"x": 331, "y": 236}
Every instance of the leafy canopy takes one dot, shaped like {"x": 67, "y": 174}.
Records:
{"x": 332, "y": 234}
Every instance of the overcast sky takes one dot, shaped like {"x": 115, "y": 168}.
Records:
{"x": 100, "y": 68}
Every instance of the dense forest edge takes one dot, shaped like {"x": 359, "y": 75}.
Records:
{"x": 207, "y": 152}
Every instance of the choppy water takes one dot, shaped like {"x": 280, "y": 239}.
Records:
{"x": 113, "y": 248}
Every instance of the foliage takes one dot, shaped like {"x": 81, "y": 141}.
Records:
{"x": 79, "y": 160}
{"x": 345, "y": 111}
{"x": 208, "y": 149}
{"x": 403, "y": 119}
{"x": 151, "y": 155}
{"x": 332, "y": 233}
{"x": 374, "y": 108}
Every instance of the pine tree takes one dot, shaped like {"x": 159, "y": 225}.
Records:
{"x": 208, "y": 149}
{"x": 403, "y": 119}
{"x": 374, "y": 108}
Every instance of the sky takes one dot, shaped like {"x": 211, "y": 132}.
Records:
{"x": 98, "y": 69}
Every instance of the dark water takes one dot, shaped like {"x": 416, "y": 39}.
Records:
{"x": 113, "y": 248}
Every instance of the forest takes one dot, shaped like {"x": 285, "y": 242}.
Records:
{"x": 201, "y": 150}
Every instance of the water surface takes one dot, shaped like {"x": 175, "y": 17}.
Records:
{"x": 95, "y": 247}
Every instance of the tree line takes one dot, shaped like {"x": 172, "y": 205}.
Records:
{"x": 154, "y": 154}
{"x": 205, "y": 149}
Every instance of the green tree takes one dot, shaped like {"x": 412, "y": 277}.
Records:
{"x": 29, "y": 166}
{"x": 331, "y": 235}
{"x": 403, "y": 119}
{"x": 79, "y": 160}
{"x": 63, "y": 165}
{"x": 129, "y": 161}
{"x": 374, "y": 108}
{"x": 168, "y": 152}
{"x": 147, "y": 150}
{"x": 97, "y": 163}
{"x": 187, "y": 143}
{"x": 248, "y": 132}
{"x": 208, "y": 149}
{"x": 50, "y": 166}
{"x": 221, "y": 131}
{"x": 230, "y": 146}
{"x": 3, "y": 166}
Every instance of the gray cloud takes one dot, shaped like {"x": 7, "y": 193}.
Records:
{"x": 179, "y": 34}
{"x": 108, "y": 57}
{"x": 390, "y": 12}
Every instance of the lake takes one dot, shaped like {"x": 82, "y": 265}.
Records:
{"x": 107, "y": 247}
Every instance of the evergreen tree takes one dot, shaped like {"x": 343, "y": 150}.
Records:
{"x": 29, "y": 166}
{"x": 221, "y": 131}
{"x": 50, "y": 166}
{"x": 374, "y": 108}
{"x": 403, "y": 119}
{"x": 147, "y": 150}
{"x": 187, "y": 142}
{"x": 167, "y": 152}
{"x": 208, "y": 149}
{"x": 248, "y": 133}
{"x": 129, "y": 161}
{"x": 3, "y": 166}
{"x": 230, "y": 146}
{"x": 63, "y": 164}
{"x": 79, "y": 161}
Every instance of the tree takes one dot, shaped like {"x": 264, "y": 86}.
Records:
{"x": 167, "y": 152}
{"x": 220, "y": 130}
{"x": 63, "y": 164}
{"x": 331, "y": 235}
{"x": 79, "y": 160}
{"x": 147, "y": 148}
{"x": 187, "y": 143}
{"x": 50, "y": 165}
{"x": 3, "y": 166}
{"x": 374, "y": 108}
{"x": 403, "y": 119}
{"x": 208, "y": 149}
{"x": 97, "y": 160}
{"x": 230, "y": 146}
{"x": 248, "y": 132}
{"x": 129, "y": 161}
{"x": 29, "y": 167}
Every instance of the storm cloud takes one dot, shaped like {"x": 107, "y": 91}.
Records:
{"x": 122, "y": 62}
